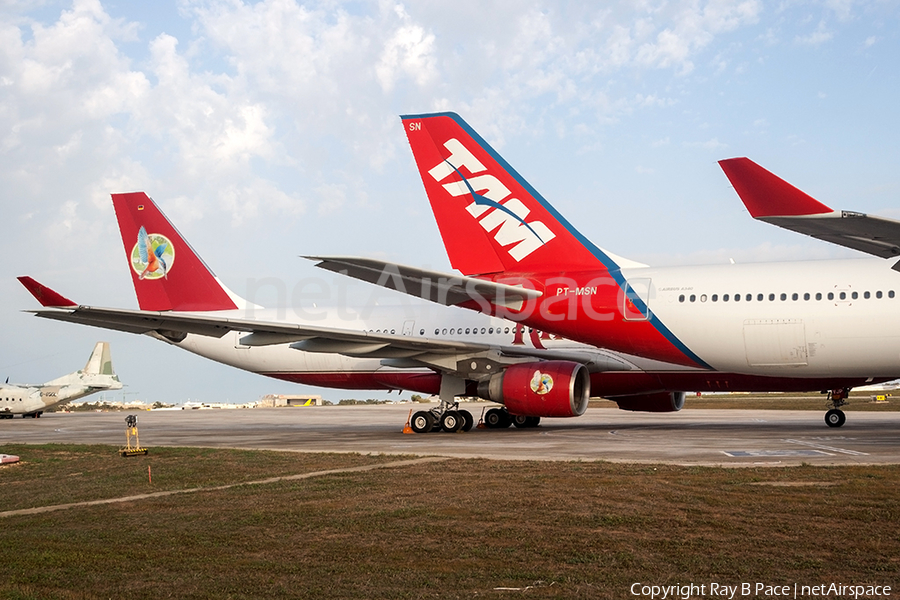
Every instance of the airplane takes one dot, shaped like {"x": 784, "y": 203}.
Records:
{"x": 621, "y": 351}
{"x": 443, "y": 351}
{"x": 823, "y": 326}
{"x": 32, "y": 400}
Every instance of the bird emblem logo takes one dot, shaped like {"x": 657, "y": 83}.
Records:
{"x": 541, "y": 383}
{"x": 152, "y": 256}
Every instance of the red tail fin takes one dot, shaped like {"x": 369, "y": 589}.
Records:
{"x": 167, "y": 273}
{"x": 490, "y": 218}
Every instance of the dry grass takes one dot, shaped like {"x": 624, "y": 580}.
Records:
{"x": 443, "y": 530}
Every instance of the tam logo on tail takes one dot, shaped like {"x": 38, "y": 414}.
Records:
{"x": 508, "y": 214}
{"x": 491, "y": 220}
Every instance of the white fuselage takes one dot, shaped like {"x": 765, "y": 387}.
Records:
{"x": 796, "y": 319}
{"x": 336, "y": 370}
{"x": 31, "y": 399}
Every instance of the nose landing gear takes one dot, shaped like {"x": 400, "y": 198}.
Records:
{"x": 837, "y": 398}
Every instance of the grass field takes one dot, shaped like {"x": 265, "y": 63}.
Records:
{"x": 453, "y": 529}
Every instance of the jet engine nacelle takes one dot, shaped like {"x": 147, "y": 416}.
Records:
{"x": 658, "y": 402}
{"x": 554, "y": 388}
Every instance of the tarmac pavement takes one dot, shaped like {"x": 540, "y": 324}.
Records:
{"x": 690, "y": 437}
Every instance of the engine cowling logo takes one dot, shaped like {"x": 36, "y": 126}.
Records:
{"x": 541, "y": 383}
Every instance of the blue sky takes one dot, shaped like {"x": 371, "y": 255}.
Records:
{"x": 268, "y": 130}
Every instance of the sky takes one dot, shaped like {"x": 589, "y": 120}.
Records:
{"x": 270, "y": 130}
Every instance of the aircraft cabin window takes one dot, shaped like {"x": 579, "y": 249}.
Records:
{"x": 806, "y": 296}
{"x": 737, "y": 297}
{"x": 794, "y": 296}
{"x": 702, "y": 297}
{"x": 759, "y": 297}
{"x": 818, "y": 295}
{"x": 467, "y": 331}
{"x": 421, "y": 332}
{"x": 445, "y": 332}
{"x": 437, "y": 332}
{"x": 854, "y": 295}
{"x": 681, "y": 298}
{"x": 843, "y": 295}
{"x": 890, "y": 293}
{"x": 506, "y": 330}
{"x": 878, "y": 294}
{"x": 725, "y": 298}
{"x": 867, "y": 295}
{"x": 715, "y": 297}
{"x": 482, "y": 331}
{"x": 783, "y": 297}
{"x": 693, "y": 298}
{"x": 771, "y": 297}
{"x": 831, "y": 295}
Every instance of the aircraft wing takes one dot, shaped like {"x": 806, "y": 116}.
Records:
{"x": 454, "y": 356}
{"x": 449, "y": 290}
{"x": 773, "y": 200}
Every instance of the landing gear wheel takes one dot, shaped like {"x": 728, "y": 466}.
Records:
{"x": 452, "y": 421}
{"x": 523, "y": 422}
{"x": 497, "y": 418}
{"x": 468, "y": 420}
{"x": 835, "y": 418}
{"x": 422, "y": 421}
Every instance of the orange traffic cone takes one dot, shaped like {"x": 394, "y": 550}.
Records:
{"x": 481, "y": 424}
{"x": 407, "y": 428}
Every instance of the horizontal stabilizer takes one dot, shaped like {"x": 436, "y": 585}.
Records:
{"x": 775, "y": 201}
{"x": 442, "y": 288}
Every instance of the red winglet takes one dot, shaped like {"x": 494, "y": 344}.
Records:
{"x": 45, "y": 295}
{"x": 765, "y": 194}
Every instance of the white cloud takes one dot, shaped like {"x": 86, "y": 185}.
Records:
{"x": 693, "y": 27}
{"x": 817, "y": 37}
{"x": 408, "y": 52}
{"x": 712, "y": 144}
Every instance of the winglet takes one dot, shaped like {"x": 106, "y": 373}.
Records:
{"x": 45, "y": 295}
{"x": 767, "y": 195}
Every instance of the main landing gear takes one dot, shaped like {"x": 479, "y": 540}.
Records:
{"x": 837, "y": 398}
{"x": 452, "y": 419}
{"x": 447, "y": 418}
{"x": 499, "y": 418}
